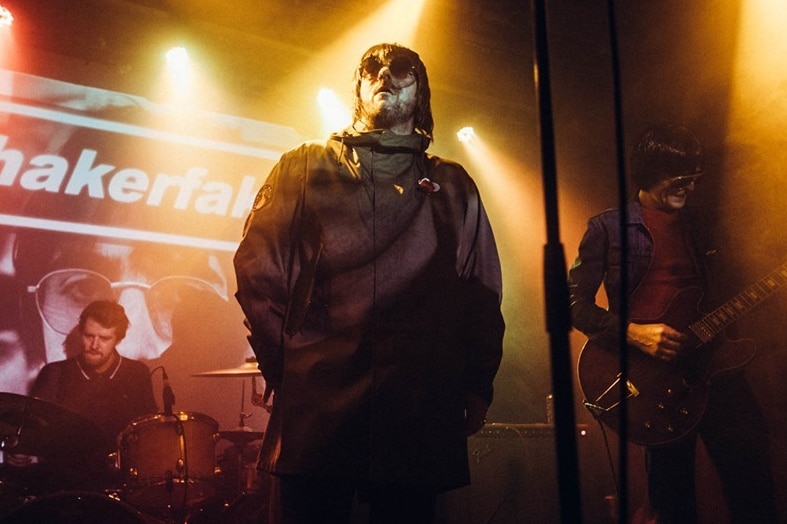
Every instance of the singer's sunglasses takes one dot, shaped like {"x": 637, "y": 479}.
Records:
{"x": 62, "y": 295}
{"x": 400, "y": 67}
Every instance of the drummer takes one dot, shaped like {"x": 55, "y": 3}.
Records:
{"x": 98, "y": 382}
{"x": 95, "y": 381}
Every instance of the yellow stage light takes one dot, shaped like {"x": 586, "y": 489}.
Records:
{"x": 465, "y": 134}
{"x": 6, "y": 18}
{"x": 335, "y": 114}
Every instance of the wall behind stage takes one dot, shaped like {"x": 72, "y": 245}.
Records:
{"x": 107, "y": 195}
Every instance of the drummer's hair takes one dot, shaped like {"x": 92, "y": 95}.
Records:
{"x": 107, "y": 313}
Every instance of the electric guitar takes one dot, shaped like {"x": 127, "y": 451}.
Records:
{"x": 666, "y": 400}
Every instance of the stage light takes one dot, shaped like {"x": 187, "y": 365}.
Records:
{"x": 465, "y": 134}
{"x": 6, "y": 18}
{"x": 179, "y": 75}
{"x": 177, "y": 57}
{"x": 334, "y": 65}
{"x": 8, "y": 54}
{"x": 335, "y": 114}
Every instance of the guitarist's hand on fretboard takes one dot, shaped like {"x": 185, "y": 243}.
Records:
{"x": 660, "y": 341}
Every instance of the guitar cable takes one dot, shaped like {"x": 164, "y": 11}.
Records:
{"x": 608, "y": 451}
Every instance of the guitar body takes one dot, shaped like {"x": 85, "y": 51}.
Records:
{"x": 665, "y": 401}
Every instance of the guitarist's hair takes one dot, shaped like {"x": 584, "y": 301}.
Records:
{"x": 665, "y": 151}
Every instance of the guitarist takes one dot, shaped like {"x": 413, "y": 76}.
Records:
{"x": 664, "y": 258}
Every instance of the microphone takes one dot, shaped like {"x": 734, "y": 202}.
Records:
{"x": 169, "y": 396}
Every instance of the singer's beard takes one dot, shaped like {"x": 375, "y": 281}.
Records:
{"x": 385, "y": 116}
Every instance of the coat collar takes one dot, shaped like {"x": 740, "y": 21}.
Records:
{"x": 383, "y": 140}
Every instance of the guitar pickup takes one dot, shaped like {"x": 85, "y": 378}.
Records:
{"x": 702, "y": 331}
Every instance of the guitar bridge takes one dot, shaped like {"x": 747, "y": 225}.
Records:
{"x": 598, "y": 407}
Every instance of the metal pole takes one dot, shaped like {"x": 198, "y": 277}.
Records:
{"x": 556, "y": 288}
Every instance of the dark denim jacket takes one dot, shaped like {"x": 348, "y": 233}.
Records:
{"x": 599, "y": 262}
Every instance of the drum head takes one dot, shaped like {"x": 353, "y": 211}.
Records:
{"x": 169, "y": 461}
{"x": 75, "y": 508}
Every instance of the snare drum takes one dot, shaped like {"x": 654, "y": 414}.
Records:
{"x": 169, "y": 461}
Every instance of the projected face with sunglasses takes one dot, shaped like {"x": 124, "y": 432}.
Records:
{"x": 388, "y": 91}
{"x": 150, "y": 291}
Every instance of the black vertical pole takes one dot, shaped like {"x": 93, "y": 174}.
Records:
{"x": 556, "y": 288}
{"x": 623, "y": 492}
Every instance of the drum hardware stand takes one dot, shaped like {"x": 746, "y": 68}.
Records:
{"x": 242, "y": 436}
{"x": 243, "y": 414}
{"x": 257, "y": 399}
{"x": 246, "y": 435}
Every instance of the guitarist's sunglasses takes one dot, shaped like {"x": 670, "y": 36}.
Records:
{"x": 680, "y": 182}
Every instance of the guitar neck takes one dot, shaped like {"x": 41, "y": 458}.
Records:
{"x": 717, "y": 320}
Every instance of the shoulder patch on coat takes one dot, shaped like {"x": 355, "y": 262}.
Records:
{"x": 263, "y": 197}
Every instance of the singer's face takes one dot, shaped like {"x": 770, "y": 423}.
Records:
{"x": 98, "y": 345}
{"x": 389, "y": 97}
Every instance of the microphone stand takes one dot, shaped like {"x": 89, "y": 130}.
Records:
{"x": 556, "y": 287}
{"x": 168, "y": 399}
{"x": 623, "y": 458}
{"x": 167, "y": 394}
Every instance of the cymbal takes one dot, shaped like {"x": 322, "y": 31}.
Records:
{"x": 247, "y": 369}
{"x": 241, "y": 436}
{"x": 31, "y": 426}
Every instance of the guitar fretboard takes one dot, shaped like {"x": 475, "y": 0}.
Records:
{"x": 717, "y": 320}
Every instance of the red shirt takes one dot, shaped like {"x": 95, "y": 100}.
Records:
{"x": 671, "y": 268}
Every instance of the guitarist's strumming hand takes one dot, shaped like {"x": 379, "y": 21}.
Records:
{"x": 660, "y": 341}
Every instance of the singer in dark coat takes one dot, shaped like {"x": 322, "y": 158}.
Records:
{"x": 370, "y": 278}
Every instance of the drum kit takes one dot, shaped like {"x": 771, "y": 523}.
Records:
{"x": 163, "y": 467}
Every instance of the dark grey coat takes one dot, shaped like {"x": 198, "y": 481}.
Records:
{"x": 374, "y": 307}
